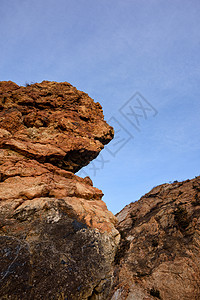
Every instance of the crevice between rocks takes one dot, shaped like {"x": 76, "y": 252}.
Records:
{"x": 73, "y": 161}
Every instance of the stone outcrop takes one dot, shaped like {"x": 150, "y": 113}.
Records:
{"x": 159, "y": 254}
{"x": 57, "y": 237}
{"x": 52, "y": 123}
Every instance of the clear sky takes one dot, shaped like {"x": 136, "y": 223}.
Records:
{"x": 139, "y": 58}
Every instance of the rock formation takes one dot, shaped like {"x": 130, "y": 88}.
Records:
{"x": 57, "y": 238}
{"x": 159, "y": 254}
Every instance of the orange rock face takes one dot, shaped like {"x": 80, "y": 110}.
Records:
{"x": 57, "y": 237}
{"x": 26, "y": 183}
{"x": 159, "y": 255}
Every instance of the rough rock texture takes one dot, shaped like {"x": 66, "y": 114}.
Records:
{"x": 53, "y": 123}
{"x": 57, "y": 238}
{"x": 159, "y": 254}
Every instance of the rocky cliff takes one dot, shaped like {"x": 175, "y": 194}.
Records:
{"x": 159, "y": 254}
{"x": 57, "y": 238}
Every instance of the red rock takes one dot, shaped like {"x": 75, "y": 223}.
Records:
{"x": 52, "y": 122}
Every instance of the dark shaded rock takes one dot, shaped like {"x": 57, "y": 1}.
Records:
{"x": 48, "y": 255}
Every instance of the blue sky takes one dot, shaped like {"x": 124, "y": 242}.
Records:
{"x": 113, "y": 49}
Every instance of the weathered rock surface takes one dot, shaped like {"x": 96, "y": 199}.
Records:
{"x": 52, "y": 122}
{"x": 159, "y": 255}
{"x": 57, "y": 238}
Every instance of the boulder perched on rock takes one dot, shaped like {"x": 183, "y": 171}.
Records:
{"x": 57, "y": 238}
{"x": 52, "y": 123}
{"x": 159, "y": 254}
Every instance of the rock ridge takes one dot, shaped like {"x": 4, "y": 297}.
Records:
{"x": 159, "y": 254}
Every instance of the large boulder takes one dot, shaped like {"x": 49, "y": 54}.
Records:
{"x": 52, "y": 122}
{"x": 159, "y": 254}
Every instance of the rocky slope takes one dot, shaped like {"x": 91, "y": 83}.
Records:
{"x": 57, "y": 238}
{"x": 159, "y": 254}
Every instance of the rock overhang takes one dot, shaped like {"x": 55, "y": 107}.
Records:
{"x": 52, "y": 122}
